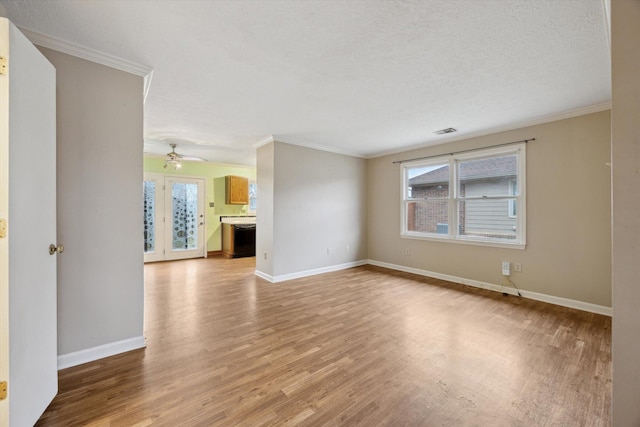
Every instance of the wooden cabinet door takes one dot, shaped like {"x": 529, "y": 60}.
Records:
{"x": 237, "y": 190}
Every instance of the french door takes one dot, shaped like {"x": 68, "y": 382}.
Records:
{"x": 173, "y": 217}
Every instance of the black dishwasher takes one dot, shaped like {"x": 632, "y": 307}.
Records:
{"x": 244, "y": 239}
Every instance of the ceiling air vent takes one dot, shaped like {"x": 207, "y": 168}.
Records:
{"x": 443, "y": 131}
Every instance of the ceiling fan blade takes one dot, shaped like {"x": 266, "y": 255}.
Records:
{"x": 193, "y": 158}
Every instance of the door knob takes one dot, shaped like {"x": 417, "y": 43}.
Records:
{"x": 53, "y": 249}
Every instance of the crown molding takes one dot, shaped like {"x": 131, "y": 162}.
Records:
{"x": 596, "y": 108}
{"x": 262, "y": 142}
{"x": 147, "y": 86}
{"x": 305, "y": 144}
{"x": 88, "y": 54}
{"x": 319, "y": 147}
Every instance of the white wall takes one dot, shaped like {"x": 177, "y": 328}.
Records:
{"x": 99, "y": 174}
{"x": 625, "y": 20}
{"x": 319, "y": 210}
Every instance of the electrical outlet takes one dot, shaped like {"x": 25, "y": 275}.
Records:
{"x": 348, "y": 248}
{"x": 517, "y": 267}
{"x": 328, "y": 251}
{"x": 265, "y": 255}
{"x": 506, "y": 268}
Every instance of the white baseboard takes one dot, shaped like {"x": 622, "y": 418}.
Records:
{"x": 264, "y": 276}
{"x": 571, "y": 303}
{"x": 94, "y": 353}
{"x": 565, "y": 302}
{"x": 307, "y": 273}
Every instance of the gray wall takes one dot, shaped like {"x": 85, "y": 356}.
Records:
{"x": 625, "y": 20}
{"x": 99, "y": 175}
{"x": 264, "y": 218}
{"x": 319, "y": 203}
{"x": 568, "y": 216}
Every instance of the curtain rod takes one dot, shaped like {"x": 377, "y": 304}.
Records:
{"x": 465, "y": 151}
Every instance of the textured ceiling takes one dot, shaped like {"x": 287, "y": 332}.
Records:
{"x": 358, "y": 77}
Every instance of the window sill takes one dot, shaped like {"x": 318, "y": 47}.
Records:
{"x": 446, "y": 239}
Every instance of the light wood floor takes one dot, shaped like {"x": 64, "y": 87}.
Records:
{"x": 365, "y": 346}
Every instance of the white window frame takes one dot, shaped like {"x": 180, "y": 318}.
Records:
{"x": 454, "y": 198}
{"x": 513, "y": 190}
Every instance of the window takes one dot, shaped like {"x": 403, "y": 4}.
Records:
{"x": 467, "y": 198}
{"x": 253, "y": 199}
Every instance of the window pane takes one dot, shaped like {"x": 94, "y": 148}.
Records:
{"x": 149, "y": 216}
{"x": 487, "y": 218}
{"x": 495, "y": 176}
{"x": 184, "y": 199}
{"x": 253, "y": 192}
{"x": 429, "y": 216}
{"x": 427, "y": 182}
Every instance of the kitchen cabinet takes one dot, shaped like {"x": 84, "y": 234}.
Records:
{"x": 237, "y": 190}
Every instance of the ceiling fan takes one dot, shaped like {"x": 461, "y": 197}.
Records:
{"x": 173, "y": 159}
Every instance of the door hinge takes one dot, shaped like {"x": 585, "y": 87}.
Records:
{"x": 3, "y": 228}
{"x": 3, "y": 390}
{"x": 3, "y": 65}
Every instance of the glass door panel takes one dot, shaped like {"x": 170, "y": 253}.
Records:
{"x": 184, "y": 210}
{"x": 184, "y": 218}
{"x": 149, "y": 216}
{"x": 153, "y": 203}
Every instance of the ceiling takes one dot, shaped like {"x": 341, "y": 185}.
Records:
{"x": 363, "y": 78}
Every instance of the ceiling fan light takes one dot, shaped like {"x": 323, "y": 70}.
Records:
{"x": 176, "y": 164}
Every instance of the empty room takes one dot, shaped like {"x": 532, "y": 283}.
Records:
{"x": 286, "y": 212}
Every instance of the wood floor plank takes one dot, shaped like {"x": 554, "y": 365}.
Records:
{"x": 365, "y": 346}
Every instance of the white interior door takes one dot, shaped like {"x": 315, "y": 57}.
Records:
{"x": 28, "y": 330}
{"x": 184, "y": 218}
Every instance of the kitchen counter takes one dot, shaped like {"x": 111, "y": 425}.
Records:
{"x": 238, "y": 219}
